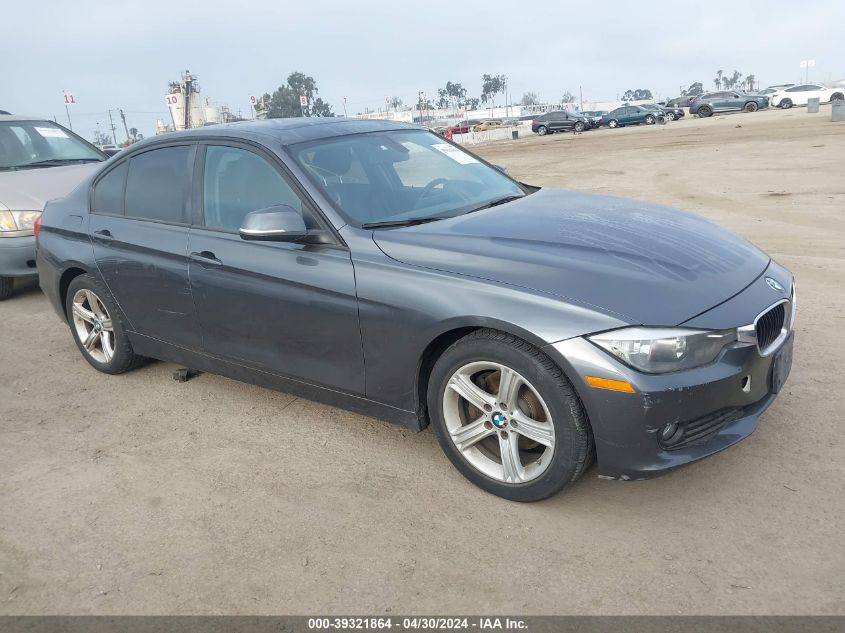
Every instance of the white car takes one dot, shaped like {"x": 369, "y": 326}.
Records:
{"x": 798, "y": 95}
{"x": 39, "y": 160}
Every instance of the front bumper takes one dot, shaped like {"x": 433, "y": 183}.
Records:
{"x": 719, "y": 403}
{"x": 17, "y": 256}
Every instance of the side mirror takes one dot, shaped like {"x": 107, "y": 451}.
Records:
{"x": 281, "y": 223}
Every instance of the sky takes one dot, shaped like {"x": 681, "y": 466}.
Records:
{"x": 113, "y": 55}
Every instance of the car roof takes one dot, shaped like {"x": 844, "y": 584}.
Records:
{"x": 23, "y": 117}
{"x": 289, "y": 131}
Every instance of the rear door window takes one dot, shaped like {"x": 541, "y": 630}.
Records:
{"x": 157, "y": 185}
{"x": 108, "y": 192}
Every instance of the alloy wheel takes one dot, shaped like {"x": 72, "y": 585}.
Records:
{"x": 93, "y": 325}
{"x": 499, "y": 422}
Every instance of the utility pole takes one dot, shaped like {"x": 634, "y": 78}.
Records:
{"x": 581, "y": 97}
{"x": 189, "y": 84}
{"x": 125, "y": 127}
{"x": 113, "y": 132}
{"x": 344, "y": 107}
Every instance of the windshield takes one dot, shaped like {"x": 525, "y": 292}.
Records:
{"x": 32, "y": 144}
{"x": 401, "y": 175}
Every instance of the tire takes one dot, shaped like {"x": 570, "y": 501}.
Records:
{"x": 751, "y": 106}
{"x": 7, "y": 285}
{"x": 649, "y": 119}
{"x": 545, "y": 408}
{"x": 110, "y": 351}
{"x": 786, "y": 104}
{"x": 542, "y": 130}
{"x": 670, "y": 116}
{"x": 579, "y": 126}
{"x": 837, "y": 96}
{"x": 613, "y": 123}
{"x": 704, "y": 112}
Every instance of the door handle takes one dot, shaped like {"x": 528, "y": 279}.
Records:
{"x": 206, "y": 259}
{"x": 103, "y": 235}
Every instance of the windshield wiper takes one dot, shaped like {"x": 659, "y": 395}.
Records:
{"x": 58, "y": 161}
{"x": 497, "y": 202}
{"x": 396, "y": 223}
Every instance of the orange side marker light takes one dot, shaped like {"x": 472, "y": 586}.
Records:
{"x": 611, "y": 385}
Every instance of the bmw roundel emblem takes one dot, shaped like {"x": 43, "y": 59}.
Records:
{"x": 773, "y": 284}
{"x": 499, "y": 420}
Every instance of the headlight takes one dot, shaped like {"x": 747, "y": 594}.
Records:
{"x": 661, "y": 350}
{"x": 18, "y": 220}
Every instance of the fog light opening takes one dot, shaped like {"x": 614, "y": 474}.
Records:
{"x": 670, "y": 433}
{"x": 746, "y": 384}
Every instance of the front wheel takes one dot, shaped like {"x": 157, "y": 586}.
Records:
{"x": 7, "y": 285}
{"x": 786, "y": 104}
{"x": 542, "y": 130}
{"x": 751, "y": 106}
{"x": 837, "y": 96}
{"x": 97, "y": 327}
{"x": 507, "y": 417}
{"x": 704, "y": 112}
{"x": 649, "y": 120}
{"x": 613, "y": 123}
{"x": 579, "y": 127}
{"x": 670, "y": 116}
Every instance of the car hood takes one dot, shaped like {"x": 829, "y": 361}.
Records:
{"x": 30, "y": 189}
{"x": 643, "y": 263}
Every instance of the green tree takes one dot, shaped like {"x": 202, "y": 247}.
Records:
{"x": 640, "y": 94}
{"x": 529, "y": 98}
{"x": 491, "y": 85}
{"x": 284, "y": 102}
{"x": 695, "y": 90}
{"x": 718, "y": 79}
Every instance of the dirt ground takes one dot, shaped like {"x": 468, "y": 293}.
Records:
{"x": 136, "y": 494}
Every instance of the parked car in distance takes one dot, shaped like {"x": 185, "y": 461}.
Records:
{"x": 594, "y": 116}
{"x": 109, "y": 150}
{"x": 464, "y": 127}
{"x": 492, "y": 124}
{"x": 318, "y": 256}
{"x": 678, "y": 102}
{"x": 727, "y": 101}
{"x": 39, "y": 160}
{"x": 631, "y": 115}
{"x": 670, "y": 114}
{"x": 799, "y": 95}
{"x": 560, "y": 121}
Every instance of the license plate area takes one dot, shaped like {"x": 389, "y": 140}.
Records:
{"x": 781, "y": 365}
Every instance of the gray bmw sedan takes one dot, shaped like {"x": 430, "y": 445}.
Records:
{"x": 379, "y": 267}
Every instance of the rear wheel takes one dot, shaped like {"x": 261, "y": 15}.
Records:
{"x": 786, "y": 104}
{"x": 7, "y": 284}
{"x": 837, "y": 96}
{"x": 579, "y": 126}
{"x": 649, "y": 119}
{"x": 98, "y": 328}
{"x": 705, "y": 111}
{"x": 542, "y": 130}
{"x": 751, "y": 106}
{"x": 613, "y": 123}
{"x": 507, "y": 417}
{"x": 670, "y": 116}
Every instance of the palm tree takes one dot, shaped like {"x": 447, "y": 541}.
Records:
{"x": 749, "y": 82}
{"x": 718, "y": 79}
{"x": 736, "y": 79}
